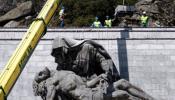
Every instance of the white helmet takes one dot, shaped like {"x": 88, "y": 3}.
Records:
{"x": 144, "y": 12}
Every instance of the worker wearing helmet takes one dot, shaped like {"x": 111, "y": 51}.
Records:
{"x": 108, "y": 22}
{"x": 61, "y": 11}
{"x": 96, "y": 23}
{"x": 61, "y": 16}
{"x": 144, "y": 19}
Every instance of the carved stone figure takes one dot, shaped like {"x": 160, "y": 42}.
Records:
{"x": 85, "y": 58}
{"x": 85, "y": 71}
{"x": 66, "y": 85}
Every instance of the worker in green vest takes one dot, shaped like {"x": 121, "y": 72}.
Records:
{"x": 144, "y": 20}
{"x": 108, "y": 22}
{"x": 96, "y": 23}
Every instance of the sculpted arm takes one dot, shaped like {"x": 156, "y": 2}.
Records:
{"x": 51, "y": 91}
{"x": 93, "y": 82}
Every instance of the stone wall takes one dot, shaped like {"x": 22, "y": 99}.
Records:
{"x": 144, "y": 56}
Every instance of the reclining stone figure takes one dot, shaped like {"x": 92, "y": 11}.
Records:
{"x": 66, "y": 85}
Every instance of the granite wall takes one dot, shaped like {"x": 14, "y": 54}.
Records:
{"x": 144, "y": 56}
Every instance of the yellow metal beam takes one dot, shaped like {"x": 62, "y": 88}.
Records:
{"x": 24, "y": 50}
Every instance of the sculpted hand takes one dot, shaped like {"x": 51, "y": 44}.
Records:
{"x": 103, "y": 76}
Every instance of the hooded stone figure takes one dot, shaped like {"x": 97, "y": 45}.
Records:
{"x": 85, "y": 58}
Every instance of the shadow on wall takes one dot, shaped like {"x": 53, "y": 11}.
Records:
{"x": 122, "y": 53}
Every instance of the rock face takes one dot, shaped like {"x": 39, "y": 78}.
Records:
{"x": 161, "y": 10}
{"x": 21, "y": 10}
{"x": 5, "y": 6}
{"x": 12, "y": 24}
{"x": 17, "y": 10}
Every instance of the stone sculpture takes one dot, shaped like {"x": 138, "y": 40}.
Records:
{"x": 85, "y": 71}
{"x": 85, "y": 58}
{"x": 66, "y": 85}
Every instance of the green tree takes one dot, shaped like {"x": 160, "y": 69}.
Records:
{"x": 82, "y": 12}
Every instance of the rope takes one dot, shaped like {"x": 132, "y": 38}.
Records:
{"x": 45, "y": 25}
{"x": 5, "y": 96}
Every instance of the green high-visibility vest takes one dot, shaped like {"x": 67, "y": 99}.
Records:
{"x": 97, "y": 24}
{"x": 108, "y": 23}
{"x": 144, "y": 19}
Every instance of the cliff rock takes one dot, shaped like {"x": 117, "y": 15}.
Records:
{"x": 161, "y": 10}
{"x": 21, "y": 10}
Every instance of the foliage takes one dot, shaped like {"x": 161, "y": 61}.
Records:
{"x": 82, "y": 12}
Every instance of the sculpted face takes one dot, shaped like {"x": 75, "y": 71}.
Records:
{"x": 61, "y": 56}
{"x": 42, "y": 75}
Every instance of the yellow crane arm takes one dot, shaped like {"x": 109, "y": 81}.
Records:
{"x": 24, "y": 50}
